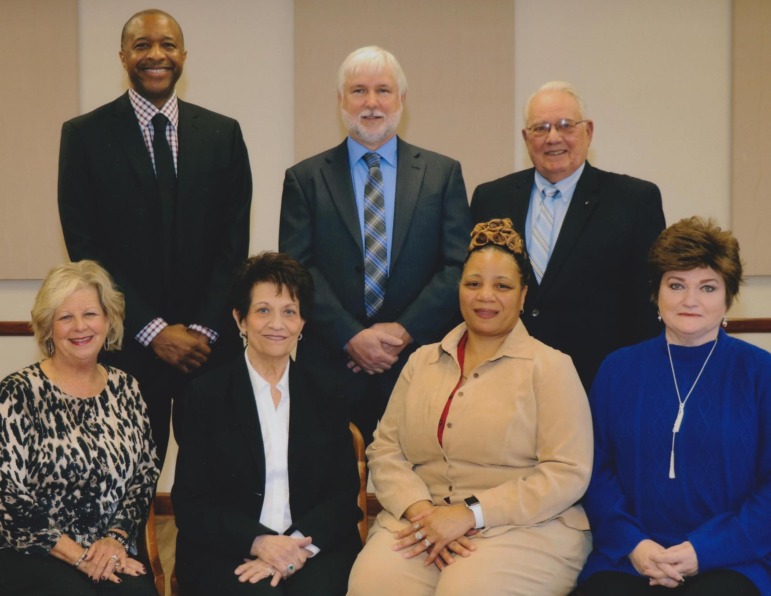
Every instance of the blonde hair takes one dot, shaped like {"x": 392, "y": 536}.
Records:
{"x": 60, "y": 283}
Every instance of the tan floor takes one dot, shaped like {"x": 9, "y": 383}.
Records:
{"x": 167, "y": 545}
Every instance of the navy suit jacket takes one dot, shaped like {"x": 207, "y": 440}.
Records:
{"x": 594, "y": 297}
{"x": 219, "y": 484}
{"x": 320, "y": 227}
{"x": 110, "y": 212}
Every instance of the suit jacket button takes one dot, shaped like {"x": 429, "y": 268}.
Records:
{"x": 535, "y": 312}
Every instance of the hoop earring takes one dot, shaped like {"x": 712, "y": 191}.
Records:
{"x": 299, "y": 337}
{"x": 244, "y": 338}
{"x": 725, "y": 322}
{"x": 50, "y": 347}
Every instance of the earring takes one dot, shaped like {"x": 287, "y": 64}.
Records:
{"x": 725, "y": 321}
{"x": 658, "y": 313}
{"x": 106, "y": 345}
{"x": 245, "y": 338}
{"x": 50, "y": 347}
{"x": 299, "y": 337}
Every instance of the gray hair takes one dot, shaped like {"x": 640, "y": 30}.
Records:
{"x": 371, "y": 59}
{"x": 562, "y": 87}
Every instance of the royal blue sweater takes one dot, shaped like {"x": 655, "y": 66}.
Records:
{"x": 720, "y": 499}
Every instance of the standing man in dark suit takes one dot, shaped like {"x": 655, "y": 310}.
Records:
{"x": 587, "y": 232}
{"x": 383, "y": 227}
{"x": 159, "y": 190}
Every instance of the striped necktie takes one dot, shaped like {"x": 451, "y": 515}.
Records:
{"x": 375, "y": 249}
{"x": 540, "y": 249}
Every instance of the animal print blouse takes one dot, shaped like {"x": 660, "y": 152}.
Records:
{"x": 70, "y": 465}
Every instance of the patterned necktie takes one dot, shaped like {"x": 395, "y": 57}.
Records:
{"x": 375, "y": 250}
{"x": 540, "y": 248}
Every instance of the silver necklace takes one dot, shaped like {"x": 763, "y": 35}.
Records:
{"x": 682, "y": 402}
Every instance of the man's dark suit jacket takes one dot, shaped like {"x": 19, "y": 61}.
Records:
{"x": 594, "y": 297}
{"x": 320, "y": 227}
{"x": 220, "y": 477}
{"x": 110, "y": 212}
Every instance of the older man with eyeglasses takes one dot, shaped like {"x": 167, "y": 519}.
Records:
{"x": 587, "y": 232}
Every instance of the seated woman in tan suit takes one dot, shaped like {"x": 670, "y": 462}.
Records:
{"x": 483, "y": 452}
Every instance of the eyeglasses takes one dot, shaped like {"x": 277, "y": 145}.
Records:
{"x": 563, "y": 126}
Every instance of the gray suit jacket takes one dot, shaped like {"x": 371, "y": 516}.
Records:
{"x": 320, "y": 228}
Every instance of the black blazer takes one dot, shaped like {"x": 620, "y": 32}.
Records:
{"x": 320, "y": 227}
{"x": 594, "y": 297}
{"x": 110, "y": 212}
{"x": 220, "y": 475}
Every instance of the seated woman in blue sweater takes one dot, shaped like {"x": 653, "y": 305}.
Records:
{"x": 680, "y": 495}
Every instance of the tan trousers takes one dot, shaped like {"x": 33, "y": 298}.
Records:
{"x": 538, "y": 561}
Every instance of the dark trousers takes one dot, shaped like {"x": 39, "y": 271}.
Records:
{"x": 326, "y": 574}
{"x": 719, "y": 582}
{"x": 33, "y": 575}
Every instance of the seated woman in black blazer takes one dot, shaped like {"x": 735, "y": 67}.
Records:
{"x": 266, "y": 479}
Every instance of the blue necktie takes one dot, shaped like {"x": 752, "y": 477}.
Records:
{"x": 543, "y": 225}
{"x": 375, "y": 249}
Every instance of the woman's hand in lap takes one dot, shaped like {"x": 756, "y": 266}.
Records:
{"x": 254, "y": 570}
{"x": 660, "y": 574}
{"x": 441, "y": 527}
{"x": 281, "y": 552}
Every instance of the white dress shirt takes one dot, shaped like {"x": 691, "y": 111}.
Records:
{"x": 274, "y": 424}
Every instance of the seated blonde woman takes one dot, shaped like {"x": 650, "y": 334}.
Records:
{"x": 77, "y": 460}
{"x": 483, "y": 452}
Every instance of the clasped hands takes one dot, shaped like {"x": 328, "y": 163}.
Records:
{"x": 439, "y": 531}
{"x": 106, "y": 558}
{"x": 275, "y": 557}
{"x": 184, "y": 349}
{"x": 376, "y": 349}
{"x": 666, "y": 567}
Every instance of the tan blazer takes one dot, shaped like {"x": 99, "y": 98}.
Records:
{"x": 518, "y": 436}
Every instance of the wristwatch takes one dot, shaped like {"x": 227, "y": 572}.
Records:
{"x": 476, "y": 508}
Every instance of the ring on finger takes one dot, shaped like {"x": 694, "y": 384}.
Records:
{"x": 416, "y": 526}
{"x": 270, "y": 571}
{"x": 419, "y": 535}
{"x": 427, "y": 543}
{"x": 290, "y": 569}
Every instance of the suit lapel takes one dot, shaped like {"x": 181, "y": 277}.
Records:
{"x": 585, "y": 199}
{"x": 247, "y": 418}
{"x": 336, "y": 173}
{"x": 191, "y": 148}
{"x": 128, "y": 136}
{"x": 301, "y": 423}
{"x": 523, "y": 186}
{"x": 410, "y": 170}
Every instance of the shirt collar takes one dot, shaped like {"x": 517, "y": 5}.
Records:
{"x": 258, "y": 383}
{"x": 145, "y": 110}
{"x": 518, "y": 344}
{"x": 563, "y": 185}
{"x": 387, "y": 151}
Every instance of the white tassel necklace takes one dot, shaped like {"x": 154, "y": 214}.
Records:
{"x": 682, "y": 402}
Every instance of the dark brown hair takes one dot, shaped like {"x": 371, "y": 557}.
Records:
{"x": 279, "y": 269}
{"x": 693, "y": 243}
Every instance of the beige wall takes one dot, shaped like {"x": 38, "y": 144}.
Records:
{"x": 751, "y": 180}
{"x": 458, "y": 57}
{"x": 38, "y": 42}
